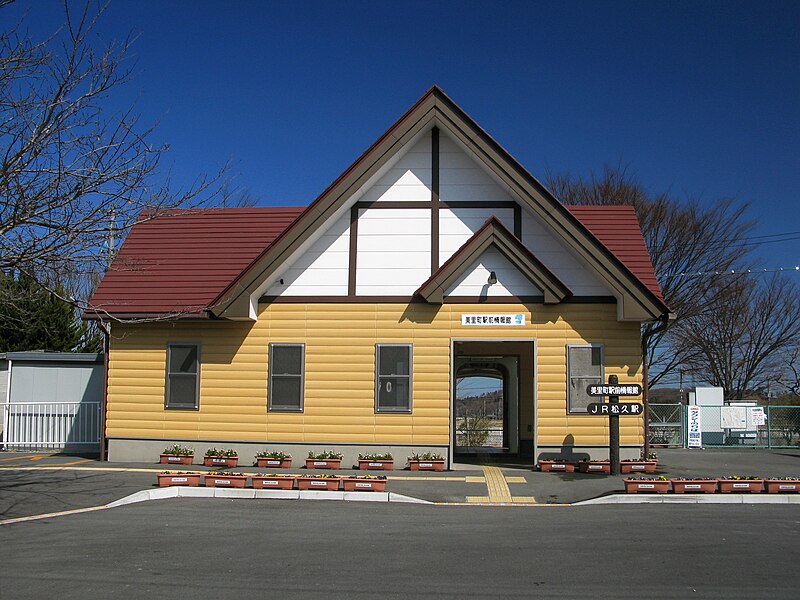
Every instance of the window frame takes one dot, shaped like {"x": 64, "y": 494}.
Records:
{"x": 169, "y": 373}
{"x": 394, "y": 410}
{"x": 583, "y": 411}
{"x": 271, "y": 407}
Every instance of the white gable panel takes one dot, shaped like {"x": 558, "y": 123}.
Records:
{"x": 394, "y": 256}
{"x": 510, "y": 282}
{"x": 409, "y": 178}
{"x": 457, "y": 225}
{"x": 463, "y": 178}
{"x": 559, "y": 259}
{"x": 320, "y": 271}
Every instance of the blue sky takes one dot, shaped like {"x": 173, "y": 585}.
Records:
{"x": 700, "y": 99}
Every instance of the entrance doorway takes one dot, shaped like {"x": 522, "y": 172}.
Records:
{"x": 493, "y": 401}
{"x": 486, "y": 405}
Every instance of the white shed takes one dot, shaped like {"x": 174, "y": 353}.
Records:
{"x": 51, "y": 400}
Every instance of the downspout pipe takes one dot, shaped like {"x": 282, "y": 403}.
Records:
{"x": 106, "y": 329}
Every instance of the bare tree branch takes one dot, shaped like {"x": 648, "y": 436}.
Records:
{"x": 683, "y": 238}
{"x": 73, "y": 175}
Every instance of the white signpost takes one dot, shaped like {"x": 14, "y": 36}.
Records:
{"x": 695, "y": 437}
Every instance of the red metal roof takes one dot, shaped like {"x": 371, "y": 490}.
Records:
{"x": 178, "y": 263}
{"x": 618, "y": 229}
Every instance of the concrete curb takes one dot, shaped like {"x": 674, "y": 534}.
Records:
{"x": 693, "y": 499}
{"x": 250, "y": 494}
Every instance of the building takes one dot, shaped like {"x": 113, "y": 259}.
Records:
{"x": 51, "y": 400}
{"x": 345, "y": 323}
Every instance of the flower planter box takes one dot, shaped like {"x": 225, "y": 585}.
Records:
{"x": 318, "y": 483}
{"x": 220, "y": 461}
{"x": 375, "y": 465}
{"x": 739, "y": 486}
{"x": 694, "y": 486}
{"x": 647, "y": 486}
{"x": 638, "y": 466}
{"x": 276, "y": 463}
{"x": 265, "y": 482}
{"x": 170, "y": 479}
{"x": 227, "y": 481}
{"x": 778, "y": 486}
{"x": 598, "y": 466}
{"x": 175, "y": 459}
{"x": 323, "y": 463}
{"x": 426, "y": 465}
{"x": 352, "y": 484}
{"x": 556, "y": 465}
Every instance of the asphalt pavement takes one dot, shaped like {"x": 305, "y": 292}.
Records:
{"x": 36, "y": 484}
{"x": 212, "y": 549}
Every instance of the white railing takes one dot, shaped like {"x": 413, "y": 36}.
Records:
{"x": 51, "y": 424}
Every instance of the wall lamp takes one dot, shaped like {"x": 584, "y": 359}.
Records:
{"x": 492, "y": 278}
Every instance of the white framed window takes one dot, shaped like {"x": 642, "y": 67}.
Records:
{"x": 584, "y": 367}
{"x": 393, "y": 377}
{"x": 287, "y": 367}
{"x": 183, "y": 376}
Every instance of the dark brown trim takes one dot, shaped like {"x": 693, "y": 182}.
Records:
{"x": 353, "y": 299}
{"x": 479, "y": 204}
{"x": 476, "y": 204}
{"x": 109, "y": 317}
{"x": 434, "y": 199}
{"x": 373, "y": 204}
{"x": 351, "y": 273}
{"x": 518, "y": 221}
{"x": 340, "y": 300}
{"x": 591, "y": 300}
{"x": 494, "y": 234}
{"x": 493, "y": 300}
{"x": 104, "y": 407}
{"x": 436, "y": 107}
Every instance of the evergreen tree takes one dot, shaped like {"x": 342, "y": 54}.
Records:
{"x": 32, "y": 318}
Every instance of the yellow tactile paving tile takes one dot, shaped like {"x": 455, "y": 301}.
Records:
{"x": 496, "y": 483}
{"x": 516, "y": 480}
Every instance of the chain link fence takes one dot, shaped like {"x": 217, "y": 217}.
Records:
{"x": 783, "y": 426}
{"x": 729, "y": 425}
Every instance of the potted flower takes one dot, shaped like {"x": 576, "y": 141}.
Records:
{"x": 327, "y": 459}
{"x": 364, "y": 483}
{"x": 176, "y": 454}
{"x": 740, "y": 483}
{"x": 657, "y": 485}
{"x": 556, "y": 464}
{"x": 272, "y": 481}
{"x": 221, "y": 457}
{"x": 696, "y": 485}
{"x": 220, "y": 479}
{"x": 381, "y": 462}
{"x": 273, "y": 458}
{"x": 428, "y": 461}
{"x": 594, "y": 466}
{"x": 169, "y": 478}
{"x": 323, "y": 481}
{"x": 777, "y": 485}
{"x": 637, "y": 465}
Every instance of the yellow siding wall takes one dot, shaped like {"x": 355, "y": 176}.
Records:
{"x": 339, "y": 380}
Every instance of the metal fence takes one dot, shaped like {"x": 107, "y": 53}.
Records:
{"x": 51, "y": 425}
{"x": 729, "y": 425}
{"x": 666, "y": 424}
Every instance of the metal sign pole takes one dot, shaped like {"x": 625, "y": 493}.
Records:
{"x": 613, "y": 429}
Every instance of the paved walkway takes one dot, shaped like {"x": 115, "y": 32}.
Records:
{"x": 41, "y": 484}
